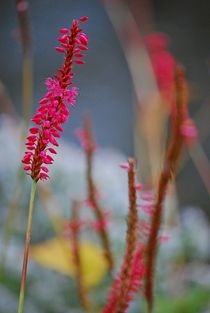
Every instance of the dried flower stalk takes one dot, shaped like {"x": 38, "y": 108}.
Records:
{"x": 88, "y": 144}
{"x": 27, "y": 74}
{"x": 168, "y": 172}
{"x": 131, "y": 273}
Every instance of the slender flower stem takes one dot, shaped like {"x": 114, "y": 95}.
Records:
{"x": 131, "y": 241}
{"x": 168, "y": 173}
{"x": 89, "y": 146}
{"x": 82, "y": 292}
{"x": 27, "y": 67}
{"x": 26, "y": 251}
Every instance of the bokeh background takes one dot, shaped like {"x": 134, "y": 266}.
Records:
{"x": 107, "y": 92}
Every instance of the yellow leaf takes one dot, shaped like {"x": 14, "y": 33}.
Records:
{"x": 56, "y": 254}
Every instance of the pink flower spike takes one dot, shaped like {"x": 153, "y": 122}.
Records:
{"x": 27, "y": 168}
{"x": 53, "y": 110}
{"x": 63, "y": 31}
{"x": 83, "y": 19}
{"x": 124, "y": 166}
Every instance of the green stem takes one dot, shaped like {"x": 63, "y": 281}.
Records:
{"x": 26, "y": 251}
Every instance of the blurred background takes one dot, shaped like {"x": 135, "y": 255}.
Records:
{"x": 116, "y": 84}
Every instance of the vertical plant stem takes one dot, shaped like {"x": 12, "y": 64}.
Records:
{"x": 27, "y": 66}
{"x": 26, "y": 251}
{"x": 131, "y": 241}
{"x": 98, "y": 210}
{"x": 82, "y": 291}
{"x": 168, "y": 173}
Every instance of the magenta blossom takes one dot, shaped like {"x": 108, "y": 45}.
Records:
{"x": 54, "y": 106}
{"x": 163, "y": 65}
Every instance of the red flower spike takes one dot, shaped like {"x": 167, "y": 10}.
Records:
{"x": 54, "y": 110}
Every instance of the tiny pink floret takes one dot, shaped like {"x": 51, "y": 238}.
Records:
{"x": 64, "y": 30}
{"x": 124, "y": 166}
{"x": 189, "y": 131}
{"x": 138, "y": 187}
{"x": 83, "y": 19}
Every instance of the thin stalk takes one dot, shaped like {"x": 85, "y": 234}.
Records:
{"x": 98, "y": 210}
{"x": 168, "y": 174}
{"x": 26, "y": 251}
{"x": 27, "y": 66}
{"x": 131, "y": 242}
{"x": 82, "y": 291}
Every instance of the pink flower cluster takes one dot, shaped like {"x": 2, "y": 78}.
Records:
{"x": 163, "y": 65}
{"x": 53, "y": 110}
{"x": 135, "y": 283}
